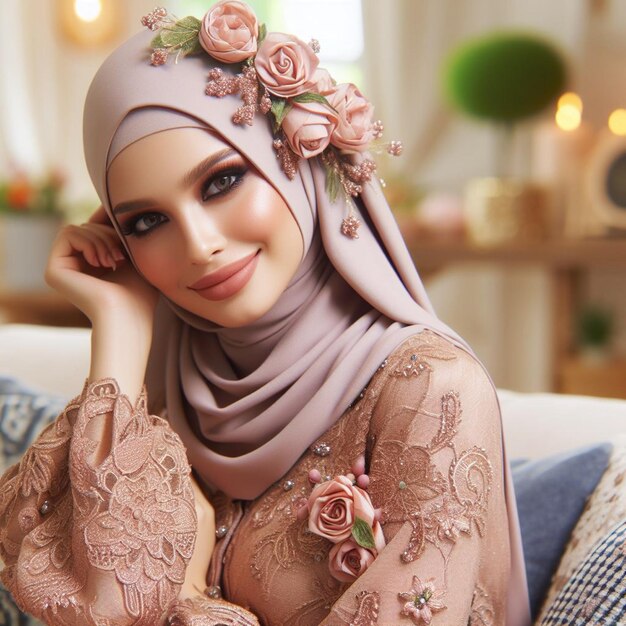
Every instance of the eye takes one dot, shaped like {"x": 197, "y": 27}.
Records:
{"x": 222, "y": 183}
{"x": 143, "y": 224}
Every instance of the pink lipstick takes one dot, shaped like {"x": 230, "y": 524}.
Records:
{"x": 228, "y": 280}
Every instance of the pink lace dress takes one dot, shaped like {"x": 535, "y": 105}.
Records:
{"x": 99, "y": 532}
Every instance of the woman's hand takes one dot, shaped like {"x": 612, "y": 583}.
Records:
{"x": 87, "y": 266}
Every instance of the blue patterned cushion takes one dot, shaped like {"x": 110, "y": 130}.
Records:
{"x": 24, "y": 413}
{"x": 596, "y": 592}
{"x": 551, "y": 494}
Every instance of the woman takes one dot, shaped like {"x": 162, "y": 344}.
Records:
{"x": 349, "y": 443}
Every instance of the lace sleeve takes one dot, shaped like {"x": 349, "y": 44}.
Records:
{"x": 97, "y": 522}
{"x": 435, "y": 464}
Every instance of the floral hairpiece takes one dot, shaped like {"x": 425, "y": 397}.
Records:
{"x": 312, "y": 114}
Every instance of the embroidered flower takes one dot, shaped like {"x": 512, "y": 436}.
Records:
{"x": 146, "y": 524}
{"x": 334, "y": 506}
{"x": 308, "y": 127}
{"x": 356, "y": 124}
{"x": 286, "y": 65}
{"x": 348, "y": 560}
{"x": 422, "y": 600}
{"x": 229, "y": 32}
{"x": 449, "y": 520}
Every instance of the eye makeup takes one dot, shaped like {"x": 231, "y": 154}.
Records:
{"x": 224, "y": 177}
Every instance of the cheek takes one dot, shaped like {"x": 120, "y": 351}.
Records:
{"x": 158, "y": 269}
{"x": 262, "y": 213}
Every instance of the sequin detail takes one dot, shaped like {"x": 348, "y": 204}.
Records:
{"x": 321, "y": 449}
{"x": 350, "y": 227}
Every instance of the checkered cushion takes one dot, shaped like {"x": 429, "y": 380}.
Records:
{"x": 596, "y": 592}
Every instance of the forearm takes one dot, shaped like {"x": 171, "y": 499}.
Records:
{"x": 119, "y": 350}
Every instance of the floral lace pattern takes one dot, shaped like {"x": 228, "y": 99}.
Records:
{"x": 421, "y": 475}
{"x": 125, "y": 521}
{"x": 130, "y": 514}
{"x": 203, "y": 611}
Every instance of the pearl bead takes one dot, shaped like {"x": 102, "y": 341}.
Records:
{"x": 214, "y": 592}
{"x": 288, "y": 485}
{"x": 221, "y": 531}
{"x": 45, "y": 507}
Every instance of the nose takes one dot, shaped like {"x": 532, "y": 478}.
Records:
{"x": 202, "y": 236}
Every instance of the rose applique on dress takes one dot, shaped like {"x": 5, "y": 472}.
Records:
{"x": 341, "y": 511}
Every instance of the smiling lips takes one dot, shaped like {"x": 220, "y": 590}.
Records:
{"x": 228, "y": 280}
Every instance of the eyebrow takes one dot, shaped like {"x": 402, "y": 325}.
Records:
{"x": 188, "y": 179}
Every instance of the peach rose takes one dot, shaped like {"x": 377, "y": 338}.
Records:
{"x": 308, "y": 127}
{"x": 324, "y": 83}
{"x": 229, "y": 31}
{"x": 333, "y": 507}
{"x": 356, "y": 126}
{"x": 348, "y": 560}
{"x": 285, "y": 65}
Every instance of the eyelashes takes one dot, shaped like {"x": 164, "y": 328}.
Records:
{"x": 221, "y": 181}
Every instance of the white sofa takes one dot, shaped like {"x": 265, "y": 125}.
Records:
{"x": 536, "y": 425}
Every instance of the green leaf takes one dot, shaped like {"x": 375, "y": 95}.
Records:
{"x": 262, "y": 33}
{"x": 157, "y": 42}
{"x": 362, "y": 533}
{"x": 280, "y": 108}
{"x": 333, "y": 183}
{"x": 182, "y": 36}
{"x": 311, "y": 97}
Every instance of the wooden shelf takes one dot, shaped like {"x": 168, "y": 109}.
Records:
{"x": 606, "y": 379}
{"x": 432, "y": 254}
{"x": 565, "y": 260}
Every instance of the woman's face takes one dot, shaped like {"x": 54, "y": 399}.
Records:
{"x": 203, "y": 226}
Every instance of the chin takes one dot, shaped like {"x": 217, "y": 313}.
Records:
{"x": 236, "y": 315}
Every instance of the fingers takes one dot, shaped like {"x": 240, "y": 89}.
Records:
{"x": 98, "y": 244}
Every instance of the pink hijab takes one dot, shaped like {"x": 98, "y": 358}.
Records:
{"x": 248, "y": 401}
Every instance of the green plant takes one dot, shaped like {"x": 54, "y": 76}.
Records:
{"x": 504, "y": 77}
{"x": 594, "y": 327}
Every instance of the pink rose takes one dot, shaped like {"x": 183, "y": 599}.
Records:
{"x": 308, "y": 127}
{"x": 324, "y": 83}
{"x": 333, "y": 507}
{"x": 356, "y": 127}
{"x": 348, "y": 560}
{"x": 229, "y": 31}
{"x": 285, "y": 65}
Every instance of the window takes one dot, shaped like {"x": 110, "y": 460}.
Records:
{"x": 336, "y": 24}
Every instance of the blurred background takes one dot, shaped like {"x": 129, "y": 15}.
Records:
{"x": 511, "y": 190}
